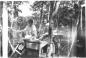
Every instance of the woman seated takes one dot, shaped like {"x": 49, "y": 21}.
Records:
{"x": 30, "y": 30}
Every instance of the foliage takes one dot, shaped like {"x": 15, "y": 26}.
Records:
{"x": 14, "y": 5}
{"x": 68, "y": 14}
{"x": 38, "y": 5}
{"x": 20, "y": 24}
{"x": 41, "y": 9}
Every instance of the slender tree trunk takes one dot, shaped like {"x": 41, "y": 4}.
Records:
{"x": 1, "y": 7}
{"x": 50, "y": 19}
{"x": 50, "y": 29}
{"x": 41, "y": 17}
{"x": 5, "y": 30}
{"x": 85, "y": 28}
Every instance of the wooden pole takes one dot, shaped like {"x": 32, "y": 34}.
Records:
{"x": 5, "y": 31}
{"x": 81, "y": 19}
{"x": 85, "y": 28}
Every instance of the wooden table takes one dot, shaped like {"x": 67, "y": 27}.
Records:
{"x": 32, "y": 44}
{"x": 32, "y": 48}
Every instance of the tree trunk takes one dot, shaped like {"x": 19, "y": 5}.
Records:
{"x": 41, "y": 17}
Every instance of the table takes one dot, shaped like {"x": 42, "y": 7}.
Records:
{"x": 32, "y": 48}
{"x": 32, "y": 44}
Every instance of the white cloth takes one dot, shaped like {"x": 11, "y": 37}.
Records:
{"x": 43, "y": 43}
{"x": 30, "y": 31}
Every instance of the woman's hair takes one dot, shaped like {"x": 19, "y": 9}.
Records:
{"x": 30, "y": 21}
{"x": 20, "y": 19}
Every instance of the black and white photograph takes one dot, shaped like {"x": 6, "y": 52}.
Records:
{"x": 46, "y": 29}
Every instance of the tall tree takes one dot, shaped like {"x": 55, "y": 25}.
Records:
{"x": 41, "y": 9}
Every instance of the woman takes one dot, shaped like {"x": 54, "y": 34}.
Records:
{"x": 30, "y": 30}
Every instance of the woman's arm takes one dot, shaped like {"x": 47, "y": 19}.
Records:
{"x": 34, "y": 32}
